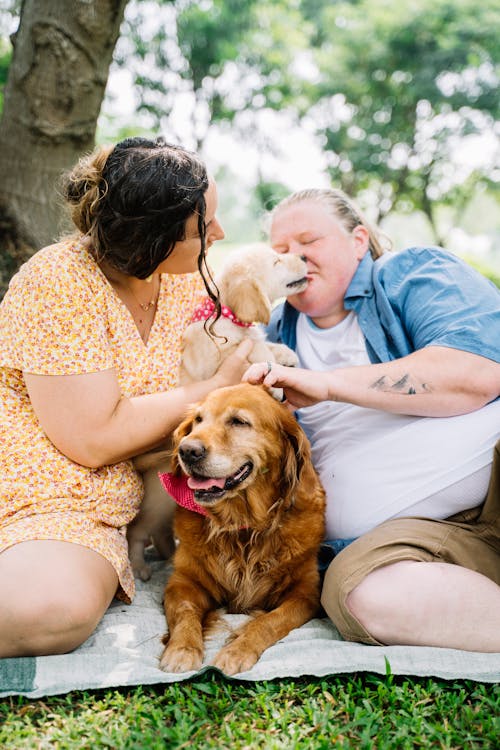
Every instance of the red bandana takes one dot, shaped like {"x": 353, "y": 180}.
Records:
{"x": 206, "y": 309}
{"x": 183, "y": 495}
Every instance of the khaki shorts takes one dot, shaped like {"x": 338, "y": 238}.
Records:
{"x": 470, "y": 539}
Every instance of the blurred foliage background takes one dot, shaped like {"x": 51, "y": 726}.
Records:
{"x": 396, "y": 102}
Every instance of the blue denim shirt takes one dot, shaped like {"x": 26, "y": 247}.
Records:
{"x": 404, "y": 302}
{"x": 415, "y": 298}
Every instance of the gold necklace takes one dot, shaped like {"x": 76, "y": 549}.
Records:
{"x": 145, "y": 306}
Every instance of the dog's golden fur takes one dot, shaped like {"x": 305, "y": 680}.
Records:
{"x": 250, "y": 280}
{"x": 256, "y": 550}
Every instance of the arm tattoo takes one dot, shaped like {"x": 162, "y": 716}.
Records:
{"x": 403, "y": 385}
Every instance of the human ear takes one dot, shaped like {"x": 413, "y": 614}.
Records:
{"x": 361, "y": 239}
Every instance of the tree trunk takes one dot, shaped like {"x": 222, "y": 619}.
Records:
{"x": 57, "y": 79}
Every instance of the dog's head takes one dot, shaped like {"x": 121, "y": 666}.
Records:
{"x": 252, "y": 278}
{"x": 237, "y": 440}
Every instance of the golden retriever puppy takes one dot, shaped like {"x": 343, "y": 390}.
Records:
{"x": 251, "y": 279}
{"x": 251, "y": 543}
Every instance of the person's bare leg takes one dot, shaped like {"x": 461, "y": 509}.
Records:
{"x": 52, "y": 594}
{"x": 429, "y": 604}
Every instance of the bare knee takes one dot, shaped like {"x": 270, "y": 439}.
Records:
{"x": 373, "y": 593}
{"x": 52, "y": 624}
{"x": 379, "y": 599}
{"x": 363, "y": 603}
{"x": 361, "y": 613}
{"x": 53, "y": 595}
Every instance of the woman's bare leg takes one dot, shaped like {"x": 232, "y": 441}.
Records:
{"x": 429, "y": 604}
{"x": 53, "y": 594}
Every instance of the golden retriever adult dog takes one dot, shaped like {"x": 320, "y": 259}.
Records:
{"x": 251, "y": 279}
{"x": 252, "y": 546}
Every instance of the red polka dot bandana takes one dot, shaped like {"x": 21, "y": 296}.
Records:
{"x": 206, "y": 310}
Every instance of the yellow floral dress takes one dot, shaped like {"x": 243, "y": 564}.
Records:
{"x": 61, "y": 316}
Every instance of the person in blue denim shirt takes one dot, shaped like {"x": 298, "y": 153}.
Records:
{"x": 397, "y": 390}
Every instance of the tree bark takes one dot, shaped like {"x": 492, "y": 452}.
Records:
{"x": 56, "y": 83}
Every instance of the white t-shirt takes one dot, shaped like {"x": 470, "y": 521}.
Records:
{"x": 375, "y": 465}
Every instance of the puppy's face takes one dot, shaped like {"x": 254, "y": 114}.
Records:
{"x": 278, "y": 275}
{"x": 281, "y": 274}
{"x": 234, "y": 436}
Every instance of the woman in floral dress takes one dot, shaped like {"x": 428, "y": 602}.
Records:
{"x": 91, "y": 332}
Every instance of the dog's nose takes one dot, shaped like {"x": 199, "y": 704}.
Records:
{"x": 303, "y": 257}
{"x": 192, "y": 451}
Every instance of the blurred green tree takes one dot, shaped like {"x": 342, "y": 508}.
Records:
{"x": 403, "y": 87}
{"x": 207, "y": 63}
{"x": 391, "y": 89}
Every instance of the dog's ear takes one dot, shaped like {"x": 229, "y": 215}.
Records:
{"x": 182, "y": 430}
{"x": 295, "y": 451}
{"x": 248, "y": 300}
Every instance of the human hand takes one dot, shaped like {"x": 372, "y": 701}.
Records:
{"x": 301, "y": 387}
{"x": 231, "y": 370}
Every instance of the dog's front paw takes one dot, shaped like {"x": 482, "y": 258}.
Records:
{"x": 142, "y": 571}
{"x": 285, "y": 356}
{"x": 136, "y": 546}
{"x": 181, "y": 659}
{"x": 278, "y": 394}
{"x": 232, "y": 659}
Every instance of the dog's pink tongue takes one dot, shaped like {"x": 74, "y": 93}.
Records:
{"x": 205, "y": 484}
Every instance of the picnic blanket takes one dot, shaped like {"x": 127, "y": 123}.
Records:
{"x": 125, "y": 649}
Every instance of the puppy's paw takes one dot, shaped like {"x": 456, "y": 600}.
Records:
{"x": 142, "y": 571}
{"x": 285, "y": 356}
{"x": 181, "y": 659}
{"x": 278, "y": 394}
{"x": 232, "y": 659}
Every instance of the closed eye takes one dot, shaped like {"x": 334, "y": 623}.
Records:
{"x": 238, "y": 422}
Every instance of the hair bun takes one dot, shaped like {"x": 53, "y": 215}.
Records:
{"x": 84, "y": 186}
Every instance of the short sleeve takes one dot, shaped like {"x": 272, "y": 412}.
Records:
{"x": 52, "y": 318}
{"x": 442, "y": 301}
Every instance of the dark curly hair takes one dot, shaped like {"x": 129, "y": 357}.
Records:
{"x": 133, "y": 201}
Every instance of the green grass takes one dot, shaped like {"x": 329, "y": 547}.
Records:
{"x": 355, "y": 711}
